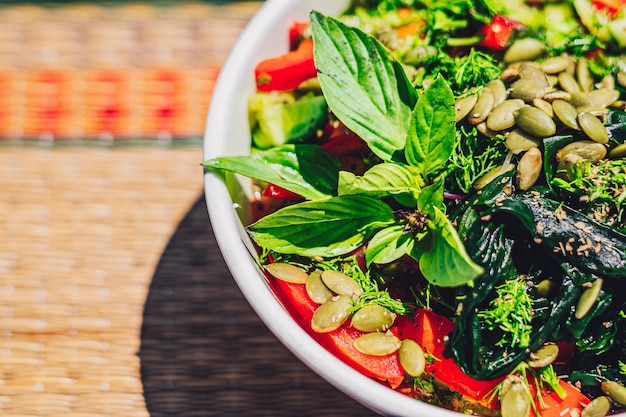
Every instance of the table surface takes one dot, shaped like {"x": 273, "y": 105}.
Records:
{"x": 115, "y": 301}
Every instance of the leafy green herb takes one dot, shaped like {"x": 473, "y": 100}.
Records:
{"x": 363, "y": 86}
{"x": 512, "y": 312}
{"x": 474, "y": 69}
{"x": 330, "y": 227}
{"x": 472, "y": 157}
{"x": 388, "y": 245}
{"x": 445, "y": 253}
{"x": 604, "y": 187}
{"x": 306, "y": 170}
{"x": 431, "y": 135}
{"x": 383, "y": 180}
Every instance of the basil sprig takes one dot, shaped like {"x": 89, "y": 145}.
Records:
{"x": 366, "y": 89}
{"x": 395, "y": 208}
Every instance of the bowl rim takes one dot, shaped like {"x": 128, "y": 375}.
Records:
{"x": 231, "y": 237}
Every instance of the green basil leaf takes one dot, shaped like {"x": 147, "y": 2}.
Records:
{"x": 306, "y": 170}
{"x": 330, "y": 227}
{"x": 446, "y": 263}
{"x": 364, "y": 87}
{"x": 431, "y": 136}
{"x": 388, "y": 245}
{"x": 382, "y": 180}
{"x": 430, "y": 197}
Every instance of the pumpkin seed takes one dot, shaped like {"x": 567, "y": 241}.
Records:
{"x": 544, "y": 106}
{"x": 332, "y": 314}
{"x": 518, "y": 141}
{"x": 553, "y": 80}
{"x": 287, "y": 272}
{"x": 545, "y": 288}
{"x": 618, "y": 152}
{"x": 568, "y": 82}
{"x": 543, "y": 356}
{"x": 526, "y": 49}
{"x": 579, "y": 99}
{"x": 510, "y": 73}
{"x": 534, "y": 121}
{"x": 516, "y": 400}
{"x": 502, "y": 117}
{"x": 482, "y": 128}
{"x": 603, "y": 97}
{"x": 566, "y": 113}
{"x": 482, "y": 108}
{"x": 342, "y": 284}
{"x": 621, "y": 78}
{"x": 373, "y": 318}
{"x": 491, "y": 175}
{"x": 529, "y": 168}
{"x": 555, "y": 65}
{"x": 550, "y": 96}
{"x": 463, "y": 106}
{"x": 412, "y": 358}
{"x": 531, "y": 71}
{"x": 598, "y": 407}
{"x": 615, "y": 390}
{"x": 498, "y": 89}
{"x": 588, "y": 299}
{"x": 607, "y": 82}
{"x": 583, "y": 75}
{"x": 600, "y": 112}
{"x": 527, "y": 90}
{"x": 377, "y": 344}
{"x": 593, "y": 127}
{"x": 316, "y": 289}
{"x": 567, "y": 166}
{"x": 589, "y": 150}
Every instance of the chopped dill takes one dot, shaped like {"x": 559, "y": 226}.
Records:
{"x": 512, "y": 312}
{"x": 603, "y": 187}
{"x": 473, "y": 156}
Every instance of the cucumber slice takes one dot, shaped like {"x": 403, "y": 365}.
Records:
{"x": 259, "y": 101}
{"x": 282, "y": 123}
{"x": 617, "y": 28}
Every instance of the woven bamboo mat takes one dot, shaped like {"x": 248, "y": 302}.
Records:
{"x": 114, "y": 298}
{"x": 111, "y": 306}
{"x": 82, "y": 230}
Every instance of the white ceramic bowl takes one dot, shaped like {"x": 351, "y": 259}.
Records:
{"x": 228, "y": 133}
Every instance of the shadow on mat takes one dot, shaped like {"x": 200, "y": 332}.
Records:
{"x": 204, "y": 352}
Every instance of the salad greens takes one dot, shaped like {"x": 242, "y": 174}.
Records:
{"x": 514, "y": 269}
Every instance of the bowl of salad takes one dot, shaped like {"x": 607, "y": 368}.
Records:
{"x": 426, "y": 201}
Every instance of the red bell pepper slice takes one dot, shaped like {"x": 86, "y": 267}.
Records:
{"x": 429, "y": 330}
{"x": 339, "y": 342}
{"x": 611, "y": 7}
{"x": 553, "y": 406}
{"x": 287, "y": 71}
{"x": 498, "y": 32}
{"x": 296, "y": 33}
{"x": 280, "y": 193}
